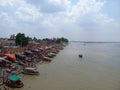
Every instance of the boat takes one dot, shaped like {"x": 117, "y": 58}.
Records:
{"x": 44, "y": 58}
{"x": 30, "y": 71}
{"x": 80, "y": 55}
{"x": 51, "y": 55}
{"x": 14, "y": 81}
{"x": 21, "y": 63}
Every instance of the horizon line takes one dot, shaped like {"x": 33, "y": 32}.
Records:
{"x": 96, "y": 41}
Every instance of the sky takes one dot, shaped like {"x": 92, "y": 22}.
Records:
{"x": 76, "y": 20}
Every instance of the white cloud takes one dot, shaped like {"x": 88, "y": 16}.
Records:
{"x": 57, "y": 17}
{"x": 27, "y": 12}
{"x": 6, "y": 2}
{"x": 61, "y": 2}
{"x": 50, "y": 6}
{"x": 83, "y": 7}
{"x": 6, "y": 20}
{"x": 104, "y": 19}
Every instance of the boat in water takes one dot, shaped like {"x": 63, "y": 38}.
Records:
{"x": 44, "y": 58}
{"x": 30, "y": 71}
{"x": 14, "y": 81}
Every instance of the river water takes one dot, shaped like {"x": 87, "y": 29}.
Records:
{"x": 99, "y": 69}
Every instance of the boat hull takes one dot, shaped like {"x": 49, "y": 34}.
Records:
{"x": 28, "y": 73}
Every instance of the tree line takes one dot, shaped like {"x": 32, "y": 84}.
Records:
{"x": 22, "y": 40}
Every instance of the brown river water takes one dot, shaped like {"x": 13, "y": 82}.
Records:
{"x": 99, "y": 69}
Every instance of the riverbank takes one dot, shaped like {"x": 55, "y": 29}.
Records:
{"x": 29, "y": 57}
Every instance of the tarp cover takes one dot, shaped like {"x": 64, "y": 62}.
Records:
{"x": 13, "y": 77}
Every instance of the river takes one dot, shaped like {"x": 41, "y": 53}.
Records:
{"x": 99, "y": 69}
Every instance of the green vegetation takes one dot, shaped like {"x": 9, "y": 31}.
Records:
{"x": 60, "y": 40}
{"x": 21, "y": 39}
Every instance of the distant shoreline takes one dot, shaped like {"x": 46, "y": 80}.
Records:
{"x": 94, "y": 42}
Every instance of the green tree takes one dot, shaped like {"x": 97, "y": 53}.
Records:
{"x": 58, "y": 40}
{"x": 62, "y": 39}
{"x": 21, "y": 39}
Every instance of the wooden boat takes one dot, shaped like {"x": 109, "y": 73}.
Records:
{"x": 51, "y": 55}
{"x": 30, "y": 71}
{"x": 44, "y": 58}
{"x": 14, "y": 81}
{"x": 21, "y": 63}
{"x": 80, "y": 55}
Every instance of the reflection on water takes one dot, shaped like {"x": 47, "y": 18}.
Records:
{"x": 99, "y": 69}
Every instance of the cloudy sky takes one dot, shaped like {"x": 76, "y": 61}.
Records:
{"x": 83, "y": 20}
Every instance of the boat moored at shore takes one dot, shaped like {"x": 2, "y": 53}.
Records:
{"x": 14, "y": 81}
{"x": 30, "y": 71}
